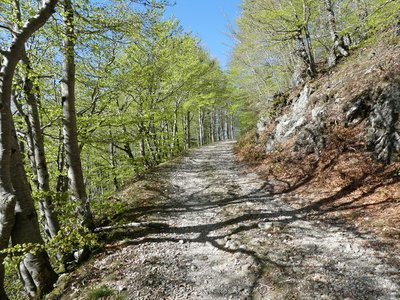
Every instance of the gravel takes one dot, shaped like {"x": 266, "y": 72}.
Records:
{"x": 230, "y": 237}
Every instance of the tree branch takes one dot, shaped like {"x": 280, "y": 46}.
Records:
{"x": 32, "y": 25}
{"x": 154, "y": 225}
{"x": 8, "y": 28}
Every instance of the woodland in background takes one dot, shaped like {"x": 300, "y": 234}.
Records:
{"x": 93, "y": 94}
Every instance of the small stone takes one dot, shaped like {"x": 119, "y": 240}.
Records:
{"x": 121, "y": 288}
{"x": 181, "y": 241}
{"x": 246, "y": 267}
{"x": 265, "y": 225}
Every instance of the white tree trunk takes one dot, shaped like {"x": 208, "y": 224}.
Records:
{"x": 51, "y": 224}
{"x": 75, "y": 174}
{"x": 9, "y": 63}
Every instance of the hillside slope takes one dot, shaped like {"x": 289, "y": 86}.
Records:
{"x": 334, "y": 142}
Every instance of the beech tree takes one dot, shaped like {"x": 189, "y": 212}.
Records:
{"x": 70, "y": 131}
{"x": 338, "y": 47}
{"x": 35, "y": 140}
{"x": 12, "y": 218}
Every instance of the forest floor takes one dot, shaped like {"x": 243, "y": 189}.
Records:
{"x": 220, "y": 232}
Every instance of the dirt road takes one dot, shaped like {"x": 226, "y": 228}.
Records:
{"x": 230, "y": 237}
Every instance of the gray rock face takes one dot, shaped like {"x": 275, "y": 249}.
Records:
{"x": 309, "y": 130}
{"x": 309, "y": 119}
{"x": 262, "y": 125}
{"x": 384, "y": 124}
{"x": 289, "y": 124}
{"x": 358, "y": 110}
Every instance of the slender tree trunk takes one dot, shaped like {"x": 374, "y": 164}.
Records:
{"x": 62, "y": 180}
{"x": 232, "y": 127}
{"x": 200, "y": 128}
{"x": 127, "y": 147}
{"x": 183, "y": 124}
{"x": 212, "y": 126}
{"x": 51, "y": 224}
{"x": 113, "y": 166}
{"x": 142, "y": 144}
{"x": 150, "y": 150}
{"x": 175, "y": 142}
{"x": 188, "y": 135}
{"x": 220, "y": 126}
{"x": 36, "y": 143}
{"x": 228, "y": 126}
{"x": 217, "y": 128}
{"x": 225, "y": 126}
{"x": 28, "y": 139}
{"x": 337, "y": 44}
{"x": 75, "y": 174}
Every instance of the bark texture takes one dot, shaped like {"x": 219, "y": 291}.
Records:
{"x": 48, "y": 214}
{"x": 10, "y": 60}
{"x": 35, "y": 270}
{"x": 338, "y": 48}
{"x": 70, "y": 131}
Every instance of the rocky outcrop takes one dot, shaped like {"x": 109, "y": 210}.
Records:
{"x": 384, "y": 124}
{"x": 367, "y": 95}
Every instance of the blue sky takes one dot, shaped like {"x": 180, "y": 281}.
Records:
{"x": 210, "y": 21}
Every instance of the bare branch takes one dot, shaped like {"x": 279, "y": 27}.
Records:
{"x": 8, "y": 28}
{"x": 132, "y": 225}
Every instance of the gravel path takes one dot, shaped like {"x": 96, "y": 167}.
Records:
{"x": 230, "y": 237}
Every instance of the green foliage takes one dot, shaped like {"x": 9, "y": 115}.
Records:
{"x": 69, "y": 239}
{"x": 12, "y": 283}
{"x": 99, "y": 292}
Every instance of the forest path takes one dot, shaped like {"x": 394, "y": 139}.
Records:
{"x": 230, "y": 237}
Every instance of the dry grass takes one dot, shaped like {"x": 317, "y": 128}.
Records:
{"x": 346, "y": 183}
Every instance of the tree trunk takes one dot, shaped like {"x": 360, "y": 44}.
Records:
{"x": 200, "y": 128}
{"x": 28, "y": 139}
{"x": 7, "y": 196}
{"x": 226, "y": 134}
{"x": 51, "y": 224}
{"x": 175, "y": 141}
{"x": 36, "y": 143}
{"x": 188, "y": 136}
{"x": 232, "y": 127}
{"x": 114, "y": 166}
{"x": 35, "y": 270}
{"x": 212, "y": 132}
{"x": 62, "y": 180}
{"x": 9, "y": 63}
{"x": 337, "y": 44}
{"x": 75, "y": 174}
{"x": 220, "y": 127}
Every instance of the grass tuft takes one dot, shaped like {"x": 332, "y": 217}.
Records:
{"x": 99, "y": 292}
